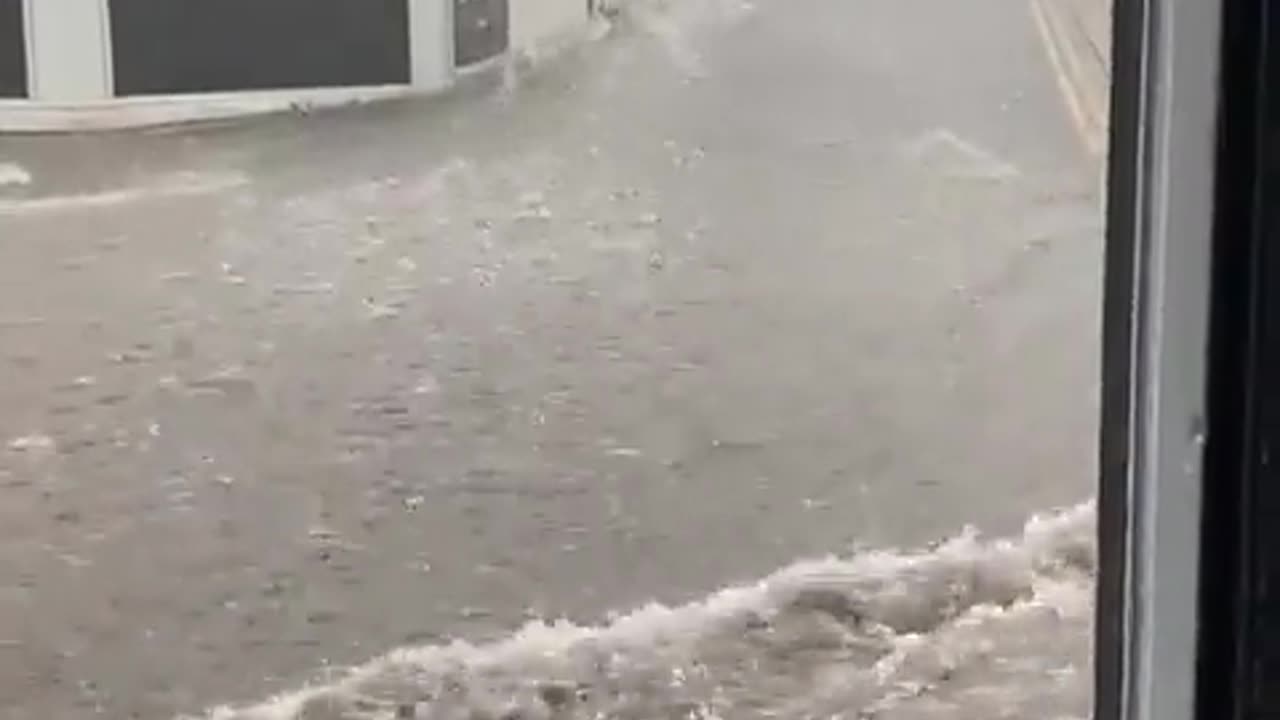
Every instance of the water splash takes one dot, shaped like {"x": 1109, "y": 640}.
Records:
{"x": 970, "y": 628}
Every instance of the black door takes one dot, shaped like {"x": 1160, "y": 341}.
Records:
{"x": 479, "y": 30}
{"x": 182, "y": 46}
{"x": 13, "y": 51}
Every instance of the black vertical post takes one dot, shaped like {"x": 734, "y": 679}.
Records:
{"x": 1233, "y": 325}
{"x": 1120, "y": 362}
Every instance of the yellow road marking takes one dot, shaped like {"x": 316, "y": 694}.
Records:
{"x": 1088, "y": 127}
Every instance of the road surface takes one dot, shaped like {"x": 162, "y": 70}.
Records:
{"x": 734, "y": 286}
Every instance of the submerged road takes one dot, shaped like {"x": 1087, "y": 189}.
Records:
{"x": 735, "y": 285}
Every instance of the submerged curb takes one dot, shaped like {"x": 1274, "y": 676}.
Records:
{"x": 1077, "y": 39}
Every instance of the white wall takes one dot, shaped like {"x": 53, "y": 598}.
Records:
{"x": 431, "y": 43}
{"x": 68, "y": 50}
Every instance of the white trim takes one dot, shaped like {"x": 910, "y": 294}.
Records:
{"x": 1176, "y": 181}
{"x": 67, "y": 61}
{"x": 108, "y": 48}
{"x": 430, "y": 43}
{"x": 146, "y": 111}
{"x": 29, "y": 46}
{"x": 451, "y": 35}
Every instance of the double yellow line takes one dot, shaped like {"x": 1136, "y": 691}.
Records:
{"x": 1076, "y": 38}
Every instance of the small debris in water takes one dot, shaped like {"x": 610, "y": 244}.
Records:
{"x": 230, "y": 276}
{"x": 21, "y": 322}
{"x": 428, "y": 385}
{"x": 556, "y": 695}
{"x": 32, "y": 443}
{"x": 78, "y": 262}
{"x": 225, "y": 383}
{"x": 322, "y": 533}
{"x": 541, "y": 212}
{"x": 648, "y": 220}
{"x": 74, "y": 561}
{"x": 472, "y": 613}
{"x": 380, "y": 311}
{"x": 14, "y": 174}
{"x": 320, "y": 288}
{"x": 127, "y": 358}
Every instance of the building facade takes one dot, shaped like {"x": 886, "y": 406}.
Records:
{"x": 114, "y": 63}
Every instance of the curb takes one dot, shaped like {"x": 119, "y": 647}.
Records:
{"x": 1076, "y": 35}
{"x": 22, "y": 117}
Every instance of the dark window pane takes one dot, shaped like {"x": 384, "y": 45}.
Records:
{"x": 13, "y": 54}
{"x": 176, "y": 46}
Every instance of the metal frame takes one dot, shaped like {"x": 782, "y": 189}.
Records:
{"x": 1160, "y": 228}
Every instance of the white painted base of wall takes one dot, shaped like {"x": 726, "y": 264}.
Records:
{"x": 33, "y": 116}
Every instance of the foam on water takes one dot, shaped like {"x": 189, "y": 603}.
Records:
{"x": 970, "y": 628}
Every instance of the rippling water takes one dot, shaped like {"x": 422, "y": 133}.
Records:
{"x": 970, "y": 628}
{"x": 641, "y": 325}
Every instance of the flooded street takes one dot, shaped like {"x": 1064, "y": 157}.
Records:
{"x": 731, "y": 287}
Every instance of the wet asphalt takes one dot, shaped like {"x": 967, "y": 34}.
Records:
{"x": 730, "y": 286}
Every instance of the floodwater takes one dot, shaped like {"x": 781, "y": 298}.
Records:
{"x": 966, "y": 631}
{"x": 733, "y": 286}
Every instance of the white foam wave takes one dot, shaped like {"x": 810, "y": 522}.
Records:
{"x": 167, "y": 187}
{"x": 964, "y": 629}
